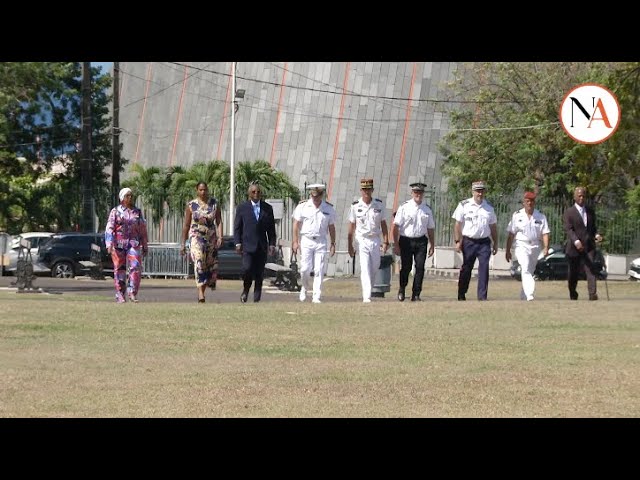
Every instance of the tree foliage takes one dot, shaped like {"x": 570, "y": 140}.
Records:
{"x": 171, "y": 188}
{"x": 508, "y": 132}
{"x": 40, "y": 126}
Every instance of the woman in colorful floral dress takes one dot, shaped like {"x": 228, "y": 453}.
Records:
{"x": 203, "y": 225}
{"x": 126, "y": 240}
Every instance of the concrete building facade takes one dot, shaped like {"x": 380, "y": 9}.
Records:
{"x": 331, "y": 122}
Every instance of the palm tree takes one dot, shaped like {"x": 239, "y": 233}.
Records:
{"x": 183, "y": 183}
{"x": 150, "y": 184}
{"x": 275, "y": 184}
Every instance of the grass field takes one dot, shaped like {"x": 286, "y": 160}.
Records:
{"x": 83, "y": 356}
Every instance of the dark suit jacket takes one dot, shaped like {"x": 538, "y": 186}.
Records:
{"x": 251, "y": 233}
{"x": 576, "y": 230}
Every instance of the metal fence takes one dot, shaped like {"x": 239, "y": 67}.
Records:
{"x": 164, "y": 260}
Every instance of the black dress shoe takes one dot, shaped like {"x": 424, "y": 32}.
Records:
{"x": 415, "y": 298}
{"x": 593, "y": 297}
{"x": 573, "y": 296}
{"x": 243, "y": 297}
{"x": 461, "y": 297}
{"x": 401, "y": 296}
{"x": 256, "y": 300}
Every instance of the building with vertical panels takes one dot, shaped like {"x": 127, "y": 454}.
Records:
{"x": 330, "y": 122}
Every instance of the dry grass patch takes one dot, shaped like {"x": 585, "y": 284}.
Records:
{"x": 70, "y": 356}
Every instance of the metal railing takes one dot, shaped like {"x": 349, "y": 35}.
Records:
{"x": 164, "y": 260}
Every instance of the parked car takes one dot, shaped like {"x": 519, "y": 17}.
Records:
{"x": 63, "y": 253}
{"x": 36, "y": 239}
{"x": 229, "y": 262}
{"x": 555, "y": 266}
{"x": 634, "y": 270}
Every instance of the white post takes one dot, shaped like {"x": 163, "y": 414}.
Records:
{"x": 232, "y": 172}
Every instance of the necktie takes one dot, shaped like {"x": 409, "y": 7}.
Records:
{"x": 584, "y": 216}
{"x": 256, "y": 211}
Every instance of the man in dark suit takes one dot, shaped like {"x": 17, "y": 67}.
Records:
{"x": 581, "y": 230}
{"x": 254, "y": 233}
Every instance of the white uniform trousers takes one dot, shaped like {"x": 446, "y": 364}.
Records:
{"x": 527, "y": 256}
{"x": 313, "y": 258}
{"x": 369, "y": 256}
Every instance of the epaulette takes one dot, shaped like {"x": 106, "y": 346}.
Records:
{"x": 406, "y": 201}
{"x": 464, "y": 202}
{"x": 428, "y": 206}
{"x": 355, "y": 202}
{"x": 378, "y": 200}
{"x": 301, "y": 201}
{"x": 328, "y": 203}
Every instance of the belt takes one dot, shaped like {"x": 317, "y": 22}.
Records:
{"x": 483, "y": 239}
{"x": 311, "y": 237}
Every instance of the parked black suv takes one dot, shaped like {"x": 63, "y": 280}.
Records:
{"x": 63, "y": 253}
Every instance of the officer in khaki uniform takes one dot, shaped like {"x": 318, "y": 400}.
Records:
{"x": 412, "y": 225}
{"x": 313, "y": 219}
{"x": 367, "y": 220}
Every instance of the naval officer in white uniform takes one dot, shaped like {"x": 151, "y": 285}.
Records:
{"x": 313, "y": 221}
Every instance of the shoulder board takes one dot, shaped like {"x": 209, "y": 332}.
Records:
{"x": 406, "y": 201}
{"x": 464, "y": 202}
{"x": 355, "y": 202}
{"x": 301, "y": 201}
{"x": 428, "y": 206}
{"x": 328, "y": 203}
{"x": 378, "y": 200}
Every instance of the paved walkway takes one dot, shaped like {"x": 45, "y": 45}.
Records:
{"x": 184, "y": 291}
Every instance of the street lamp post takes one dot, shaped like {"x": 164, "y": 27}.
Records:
{"x": 232, "y": 170}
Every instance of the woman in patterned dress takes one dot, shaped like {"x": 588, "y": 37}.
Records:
{"x": 125, "y": 237}
{"x": 203, "y": 225}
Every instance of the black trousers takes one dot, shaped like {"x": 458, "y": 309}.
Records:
{"x": 583, "y": 262}
{"x": 412, "y": 249}
{"x": 253, "y": 270}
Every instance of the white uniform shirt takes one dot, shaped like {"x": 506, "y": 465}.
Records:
{"x": 475, "y": 218}
{"x": 314, "y": 222}
{"x": 367, "y": 218}
{"x": 414, "y": 220}
{"x": 528, "y": 230}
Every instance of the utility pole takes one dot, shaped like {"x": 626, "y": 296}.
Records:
{"x": 85, "y": 152}
{"x": 115, "y": 145}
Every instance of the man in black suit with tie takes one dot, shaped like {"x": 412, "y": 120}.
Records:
{"x": 254, "y": 233}
{"x": 580, "y": 227}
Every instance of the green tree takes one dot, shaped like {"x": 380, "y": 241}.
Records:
{"x": 274, "y": 183}
{"x": 40, "y": 121}
{"x": 183, "y": 183}
{"x": 508, "y": 133}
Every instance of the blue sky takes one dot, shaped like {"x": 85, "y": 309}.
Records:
{"x": 105, "y": 66}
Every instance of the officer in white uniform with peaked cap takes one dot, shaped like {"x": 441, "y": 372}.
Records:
{"x": 476, "y": 237}
{"x": 367, "y": 220}
{"x": 413, "y": 226}
{"x": 313, "y": 222}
